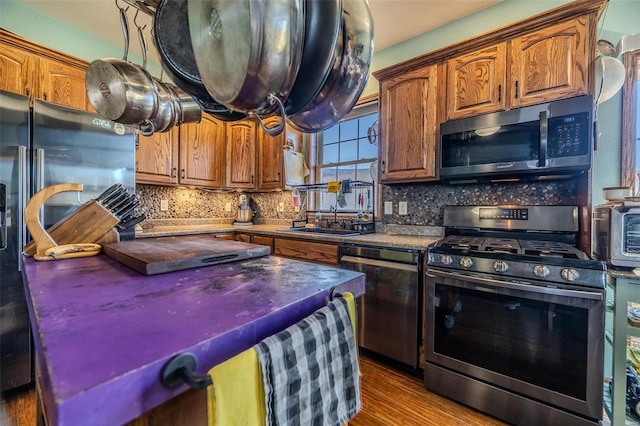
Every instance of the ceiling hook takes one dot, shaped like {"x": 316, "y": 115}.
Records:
{"x": 135, "y": 20}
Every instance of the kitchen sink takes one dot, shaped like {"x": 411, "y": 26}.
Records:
{"x": 326, "y": 231}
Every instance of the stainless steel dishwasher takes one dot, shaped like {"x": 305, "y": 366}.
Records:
{"x": 389, "y": 312}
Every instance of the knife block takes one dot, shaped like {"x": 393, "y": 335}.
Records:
{"x": 91, "y": 223}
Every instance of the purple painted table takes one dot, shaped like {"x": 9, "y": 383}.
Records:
{"x": 104, "y": 332}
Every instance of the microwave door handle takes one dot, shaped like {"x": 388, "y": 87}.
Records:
{"x": 544, "y": 136}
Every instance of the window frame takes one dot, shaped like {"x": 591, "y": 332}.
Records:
{"x": 366, "y": 105}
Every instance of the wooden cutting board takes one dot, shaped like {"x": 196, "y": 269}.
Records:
{"x": 158, "y": 255}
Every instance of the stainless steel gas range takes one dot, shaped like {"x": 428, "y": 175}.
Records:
{"x": 515, "y": 314}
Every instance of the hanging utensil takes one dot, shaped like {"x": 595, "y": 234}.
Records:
{"x": 348, "y": 75}
{"x": 120, "y": 90}
{"x": 173, "y": 41}
{"x": 248, "y": 52}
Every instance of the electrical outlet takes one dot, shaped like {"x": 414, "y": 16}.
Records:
{"x": 296, "y": 209}
{"x": 402, "y": 208}
{"x": 388, "y": 207}
{"x": 281, "y": 207}
{"x": 164, "y": 205}
{"x": 227, "y": 207}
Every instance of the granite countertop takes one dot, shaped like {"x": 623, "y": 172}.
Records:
{"x": 420, "y": 241}
{"x": 104, "y": 332}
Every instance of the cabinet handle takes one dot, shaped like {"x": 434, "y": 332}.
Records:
{"x": 517, "y": 90}
{"x": 182, "y": 173}
{"x": 251, "y": 178}
{"x": 383, "y": 166}
{"x": 499, "y": 92}
{"x": 278, "y": 179}
{"x": 173, "y": 172}
{"x": 28, "y": 92}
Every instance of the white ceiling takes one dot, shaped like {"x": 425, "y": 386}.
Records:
{"x": 394, "y": 20}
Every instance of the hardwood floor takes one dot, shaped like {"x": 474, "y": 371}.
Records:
{"x": 389, "y": 398}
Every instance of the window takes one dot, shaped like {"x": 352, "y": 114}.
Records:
{"x": 344, "y": 152}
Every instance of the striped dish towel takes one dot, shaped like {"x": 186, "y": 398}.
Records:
{"x": 310, "y": 370}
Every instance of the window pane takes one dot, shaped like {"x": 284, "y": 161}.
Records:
{"x": 331, "y": 134}
{"x": 363, "y": 172}
{"x": 366, "y": 149}
{"x": 347, "y": 172}
{"x": 349, "y": 151}
{"x": 365, "y": 123}
{"x": 349, "y": 130}
{"x": 327, "y": 174}
{"x": 330, "y": 153}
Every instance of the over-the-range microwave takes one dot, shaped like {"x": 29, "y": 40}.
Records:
{"x": 539, "y": 140}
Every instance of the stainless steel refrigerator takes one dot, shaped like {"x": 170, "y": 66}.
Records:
{"x": 42, "y": 146}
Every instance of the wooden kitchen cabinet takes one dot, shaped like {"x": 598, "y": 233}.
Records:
{"x": 552, "y": 63}
{"x": 157, "y": 158}
{"x": 538, "y": 67}
{"x": 476, "y": 82}
{"x": 202, "y": 153}
{"x": 241, "y": 155}
{"x": 33, "y": 70}
{"x": 270, "y": 157}
{"x": 191, "y": 154}
{"x": 310, "y": 251}
{"x": 263, "y": 240}
{"x": 408, "y": 120}
{"x": 255, "y": 160}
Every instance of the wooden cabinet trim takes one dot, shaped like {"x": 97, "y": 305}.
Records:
{"x": 563, "y": 13}
{"x": 15, "y": 40}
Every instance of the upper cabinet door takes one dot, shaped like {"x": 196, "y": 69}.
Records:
{"x": 241, "y": 155}
{"x": 476, "y": 82}
{"x": 550, "y": 64}
{"x": 157, "y": 158}
{"x": 202, "y": 153}
{"x": 63, "y": 84}
{"x": 408, "y": 109}
{"x": 270, "y": 157}
{"x": 17, "y": 70}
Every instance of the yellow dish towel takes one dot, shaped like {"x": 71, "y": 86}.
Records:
{"x": 236, "y": 397}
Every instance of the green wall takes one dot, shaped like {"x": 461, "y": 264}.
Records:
{"x": 621, "y": 17}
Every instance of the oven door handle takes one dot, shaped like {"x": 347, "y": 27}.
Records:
{"x": 379, "y": 263}
{"x": 481, "y": 284}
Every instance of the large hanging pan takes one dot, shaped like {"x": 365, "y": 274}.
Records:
{"x": 348, "y": 76}
{"x": 173, "y": 42}
{"x": 248, "y": 52}
{"x": 323, "y": 25}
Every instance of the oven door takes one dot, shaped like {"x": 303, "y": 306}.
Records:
{"x": 540, "y": 342}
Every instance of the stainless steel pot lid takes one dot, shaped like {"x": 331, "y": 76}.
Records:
{"x": 247, "y": 51}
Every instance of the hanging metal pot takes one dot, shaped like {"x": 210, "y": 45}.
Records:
{"x": 248, "y": 52}
{"x": 323, "y": 25}
{"x": 348, "y": 76}
{"x": 119, "y": 90}
{"x": 173, "y": 42}
{"x": 189, "y": 109}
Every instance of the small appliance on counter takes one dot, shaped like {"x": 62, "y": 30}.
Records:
{"x": 244, "y": 214}
{"x": 616, "y": 232}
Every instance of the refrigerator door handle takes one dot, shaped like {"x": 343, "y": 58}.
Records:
{"x": 40, "y": 177}
{"x": 3, "y": 216}
{"x": 23, "y": 194}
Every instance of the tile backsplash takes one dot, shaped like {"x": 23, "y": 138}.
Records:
{"x": 425, "y": 202}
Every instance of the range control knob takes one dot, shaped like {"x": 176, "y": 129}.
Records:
{"x": 541, "y": 271}
{"x": 569, "y": 274}
{"x": 445, "y": 259}
{"x": 500, "y": 266}
{"x": 466, "y": 262}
